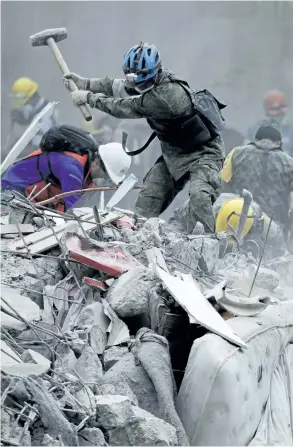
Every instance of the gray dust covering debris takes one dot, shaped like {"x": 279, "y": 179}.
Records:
{"x": 63, "y": 382}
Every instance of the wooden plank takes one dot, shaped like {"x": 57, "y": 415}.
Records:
{"x": 185, "y": 291}
{"x": 12, "y": 229}
{"x": 47, "y": 239}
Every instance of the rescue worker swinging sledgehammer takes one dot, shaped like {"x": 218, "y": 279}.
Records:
{"x": 187, "y": 123}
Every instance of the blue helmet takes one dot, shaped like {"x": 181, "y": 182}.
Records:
{"x": 143, "y": 60}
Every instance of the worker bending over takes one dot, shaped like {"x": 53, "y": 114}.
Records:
{"x": 69, "y": 159}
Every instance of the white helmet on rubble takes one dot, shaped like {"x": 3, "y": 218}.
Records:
{"x": 116, "y": 161}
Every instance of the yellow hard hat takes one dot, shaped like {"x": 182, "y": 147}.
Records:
{"x": 22, "y": 90}
{"x": 230, "y": 212}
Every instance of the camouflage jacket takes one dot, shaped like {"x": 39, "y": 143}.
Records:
{"x": 266, "y": 171}
{"x": 161, "y": 106}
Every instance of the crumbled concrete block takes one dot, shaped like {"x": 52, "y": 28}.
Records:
{"x": 137, "y": 379}
{"x": 143, "y": 429}
{"x": 128, "y": 296}
{"x": 92, "y": 437}
{"x": 113, "y": 411}
{"x": 113, "y": 355}
{"x": 267, "y": 279}
{"x": 193, "y": 253}
{"x": 89, "y": 366}
{"x": 115, "y": 388}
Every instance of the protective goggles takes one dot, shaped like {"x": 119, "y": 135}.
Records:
{"x": 140, "y": 87}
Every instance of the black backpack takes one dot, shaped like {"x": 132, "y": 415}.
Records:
{"x": 66, "y": 138}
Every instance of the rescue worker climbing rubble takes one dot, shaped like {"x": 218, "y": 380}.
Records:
{"x": 187, "y": 123}
{"x": 27, "y": 104}
{"x": 276, "y": 107}
{"x": 69, "y": 159}
{"x": 266, "y": 171}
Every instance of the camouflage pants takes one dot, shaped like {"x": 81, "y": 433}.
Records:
{"x": 161, "y": 189}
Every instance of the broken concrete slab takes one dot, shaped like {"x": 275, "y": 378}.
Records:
{"x": 91, "y": 437}
{"x": 13, "y": 229}
{"x": 49, "y": 441}
{"x": 113, "y": 411}
{"x": 138, "y": 380}
{"x": 65, "y": 359}
{"x": 128, "y": 296}
{"x": 120, "y": 388}
{"x": 144, "y": 430}
{"x": 22, "y": 304}
{"x": 89, "y": 366}
{"x": 113, "y": 355}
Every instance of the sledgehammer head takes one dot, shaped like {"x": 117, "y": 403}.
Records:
{"x": 41, "y": 38}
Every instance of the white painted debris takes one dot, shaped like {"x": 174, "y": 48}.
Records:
{"x": 9, "y": 322}
{"x": 44, "y": 239}
{"x": 12, "y": 229}
{"x": 183, "y": 288}
{"x": 121, "y": 192}
{"x": 31, "y": 356}
{"x": 8, "y": 356}
{"x": 118, "y": 331}
{"x": 28, "y": 134}
{"x": 22, "y": 304}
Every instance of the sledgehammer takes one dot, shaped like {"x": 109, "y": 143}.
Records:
{"x": 49, "y": 37}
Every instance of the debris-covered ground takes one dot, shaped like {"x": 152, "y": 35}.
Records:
{"x": 98, "y": 319}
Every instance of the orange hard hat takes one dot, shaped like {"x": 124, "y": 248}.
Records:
{"x": 275, "y": 102}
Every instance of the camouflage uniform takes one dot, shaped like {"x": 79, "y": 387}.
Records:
{"x": 180, "y": 162}
{"x": 266, "y": 171}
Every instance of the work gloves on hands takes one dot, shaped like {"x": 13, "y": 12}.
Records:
{"x": 81, "y": 83}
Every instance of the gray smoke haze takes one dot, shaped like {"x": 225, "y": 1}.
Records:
{"x": 239, "y": 50}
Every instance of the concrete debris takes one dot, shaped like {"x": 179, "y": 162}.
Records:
{"x": 113, "y": 387}
{"x": 91, "y": 437}
{"x": 143, "y": 429}
{"x": 29, "y": 310}
{"x": 138, "y": 380}
{"x": 113, "y": 355}
{"x": 113, "y": 411}
{"x": 128, "y": 296}
{"x": 89, "y": 366}
{"x": 98, "y": 330}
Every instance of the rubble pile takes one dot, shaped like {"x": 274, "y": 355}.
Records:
{"x": 92, "y": 352}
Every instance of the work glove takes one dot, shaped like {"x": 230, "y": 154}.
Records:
{"x": 80, "y": 97}
{"x": 81, "y": 83}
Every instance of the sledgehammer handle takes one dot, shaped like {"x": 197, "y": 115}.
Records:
{"x": 64, "y": 69}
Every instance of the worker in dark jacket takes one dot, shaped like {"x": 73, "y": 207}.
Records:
{"x": 192, "y": 149}
{"x": 69, "y": 160}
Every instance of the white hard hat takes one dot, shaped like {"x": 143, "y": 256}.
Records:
{"x": 116, "y": 161}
